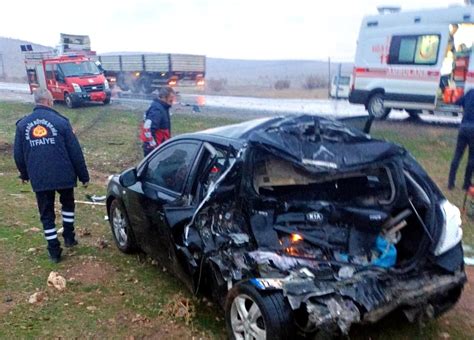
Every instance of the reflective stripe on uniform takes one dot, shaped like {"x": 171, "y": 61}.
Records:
{"x": 70, "y": 220}
{"x": 49, "y": 231}
{"x": 68, "y": 213}
{"x": 52, "y": 237}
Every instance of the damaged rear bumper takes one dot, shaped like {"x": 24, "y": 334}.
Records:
{"x": 334, "y": 306}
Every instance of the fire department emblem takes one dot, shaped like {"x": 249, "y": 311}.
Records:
{"x": 39, "y": 131}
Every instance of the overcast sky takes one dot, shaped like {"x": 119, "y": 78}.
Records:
{"x": 240, "y": 29}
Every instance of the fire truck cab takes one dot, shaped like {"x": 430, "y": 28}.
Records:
{"x": 73, "y": 78}
{"x": 416, "y": 60}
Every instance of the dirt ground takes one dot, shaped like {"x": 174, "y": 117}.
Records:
{"x": 466, "y": 303}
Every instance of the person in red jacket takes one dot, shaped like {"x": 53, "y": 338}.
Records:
{"x": 156, "y": 127}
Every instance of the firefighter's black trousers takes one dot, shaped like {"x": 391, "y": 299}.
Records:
{"x": 45, "y": 200}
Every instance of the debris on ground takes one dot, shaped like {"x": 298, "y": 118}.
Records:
{"x": 57, "y": 281}
{"x": 95, "y": 198}
{"x": 38, "y": 297}
{"x": 91, "y": 308}
{"x": 180, "y": 307}
{"x": 32, "y": 250}
{"x": 83, "y": 232}
{"x": 102, "y": 243}
{"x": 33, "y": 230}
{"x": 140, "y": 319}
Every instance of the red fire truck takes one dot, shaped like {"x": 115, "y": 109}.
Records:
{"x": 72, "y": 78}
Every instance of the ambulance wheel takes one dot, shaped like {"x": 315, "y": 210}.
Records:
{"x": 69, "y": 102}
{"x": 376, "y": 108}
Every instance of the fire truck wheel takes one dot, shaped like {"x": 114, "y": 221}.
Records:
{"x": 107, "y": 101}
{"x": 69, "y": 102}
{"x": 376, "y": 108}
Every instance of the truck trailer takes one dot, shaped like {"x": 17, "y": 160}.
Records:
{"x": 147, "y": 72}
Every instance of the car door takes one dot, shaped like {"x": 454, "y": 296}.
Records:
{"x": 51, "y": 82}
{"x": 414, "y": 64}
{"x": 163, "y": 179}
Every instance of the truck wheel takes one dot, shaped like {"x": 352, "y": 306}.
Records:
{"x": 121, "y": 230}
{"x": 107, "y": 101}
{"x": 69, "y": 102}
{"x": 250, "y": 314}
{"x": 376, "y": 108}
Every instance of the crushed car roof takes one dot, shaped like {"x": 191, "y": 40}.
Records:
{"x": 317, "y": 143}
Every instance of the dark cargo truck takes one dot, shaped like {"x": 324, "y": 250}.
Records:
{"x": 147, "y": 72}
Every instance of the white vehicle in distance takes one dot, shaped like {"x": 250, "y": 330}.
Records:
{"x": 340, "y": 87}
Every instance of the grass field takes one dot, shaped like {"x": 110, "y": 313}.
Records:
{"x": 113, "y": 295}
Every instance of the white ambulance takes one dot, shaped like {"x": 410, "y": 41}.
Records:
{"x": 417, "y": 60}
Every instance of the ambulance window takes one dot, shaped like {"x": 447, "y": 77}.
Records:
{"x": 414, "y": 49}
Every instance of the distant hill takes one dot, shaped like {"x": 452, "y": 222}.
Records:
{"x": 235, "y": 72}
{"x": 10, "y": 54}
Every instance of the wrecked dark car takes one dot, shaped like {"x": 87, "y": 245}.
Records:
{"x": 294, "y": 225}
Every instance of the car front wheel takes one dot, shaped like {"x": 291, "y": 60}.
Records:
{"x": 123, "y": 235}
{"x": 251, "y": 314}
{"x": 69, "y": 102}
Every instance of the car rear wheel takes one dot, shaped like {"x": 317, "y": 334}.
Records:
{"x": 121, "y": 231}
{"x": 254, "y": 315}
{"x": 376, "y": 107}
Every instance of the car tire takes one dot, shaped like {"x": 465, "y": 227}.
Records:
{"x": 121, "y": 230}
{"x": 250, "y": 313}
{"x": 69, "y": 102}
{"x": 376, "y": 108}
{"x": 107, "y": 101}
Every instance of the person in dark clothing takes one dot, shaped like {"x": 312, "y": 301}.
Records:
{"x": 48, "y": 154}
{"x": 156, "y": 127}
{"x": 465, "y": 139}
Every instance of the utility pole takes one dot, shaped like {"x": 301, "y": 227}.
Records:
{"x": 329, "y": 77}
{"x": 338, "y": 80}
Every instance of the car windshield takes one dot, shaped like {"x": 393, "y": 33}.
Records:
{"x": 79, "y": 68}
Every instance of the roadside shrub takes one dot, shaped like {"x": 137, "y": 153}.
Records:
{"x": 282, "y": 84}
{"x": 216, "y": 85}
{"x": 314, "y": 82}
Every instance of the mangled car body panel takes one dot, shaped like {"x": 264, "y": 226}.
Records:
{"x": 347, "y": 228}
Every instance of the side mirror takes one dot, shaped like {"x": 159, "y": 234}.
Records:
{"x": 128, "y": 177}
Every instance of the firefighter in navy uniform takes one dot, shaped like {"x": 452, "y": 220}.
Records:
{"x": 156, "y": 127}
{"x": 48, "y": 154}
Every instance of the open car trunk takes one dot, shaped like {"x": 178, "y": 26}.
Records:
{"x": 362, "y": 217}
